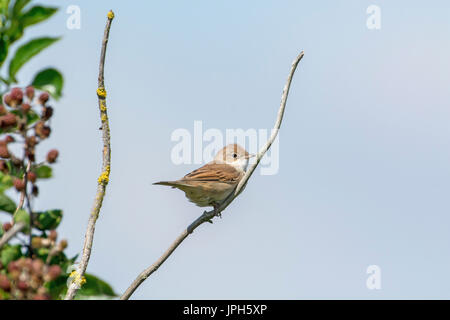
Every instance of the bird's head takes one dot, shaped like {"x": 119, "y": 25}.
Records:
{"x": 234, "y": 155}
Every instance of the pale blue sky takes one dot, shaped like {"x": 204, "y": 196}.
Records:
{"x": 364, "y": 148}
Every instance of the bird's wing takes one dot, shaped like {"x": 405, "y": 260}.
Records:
{"x": 217, "y": 172}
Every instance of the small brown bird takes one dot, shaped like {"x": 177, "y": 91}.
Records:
{"x": 212, "y": 183}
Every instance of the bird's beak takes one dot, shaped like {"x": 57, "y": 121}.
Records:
{"x": 250, "y": 156}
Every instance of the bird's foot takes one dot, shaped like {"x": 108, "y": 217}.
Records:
{"x": 207, "y": 220}
{"x": 217, "y": 213}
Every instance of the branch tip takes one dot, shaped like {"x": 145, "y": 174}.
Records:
{"x": 102, "y": 180}
{"x": 110, "y": 15}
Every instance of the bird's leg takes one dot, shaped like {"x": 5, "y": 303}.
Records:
{"x": 216, "y": 210}
{"x": 204, "y": 213}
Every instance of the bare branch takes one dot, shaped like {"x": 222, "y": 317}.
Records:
{"x": 16, "y": 228}
{"x": 207, "y": 216}
{"x": 30, "y": 211}
{"x": 104, "y": 177}
{"x": 23, "y": 193}
{"x": 19, "y": 226}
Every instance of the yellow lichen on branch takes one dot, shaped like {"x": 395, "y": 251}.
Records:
{"x": 77, "y": 279}
{"x": 101, "y": 92}
{"x": 102, "y": 180}
{"x": 104, "y": 176}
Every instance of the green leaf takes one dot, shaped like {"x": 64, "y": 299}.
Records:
{"x": 6, "y": 204}
{"x": 43, "y": 172}
{"x": 22, "y": 216}
{"x": 15, "y": 171}
{"x": 36, "y": 14}
{"x": 1, "y": 231}
{"x": 48, "y": 220}
{"x": 19, "y": 5}
{"x": 57, "y": 287}
{"x": 4, "y": 4}
{"x": 50, "y": 80}
{"x": 3, "y": 50}
{"x": 15, "y": 28}
{"x": 5, "y": 295}
{"x": 10, "y": 253}
{"x": 14, "y": 32}
{"x": 26, "y": 52}
{"x": 42, "y": 253}
{"x": 32, "y": 116}
{"x": 6, "y": 182}
{"x": 95, "y": 288}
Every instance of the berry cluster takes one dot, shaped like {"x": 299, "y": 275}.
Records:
{"x": 26, "y": 278}
{"x": 25, "y": 120}
{"x": 18, "y": 118}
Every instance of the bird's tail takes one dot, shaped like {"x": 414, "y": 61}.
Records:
{"x": 166, "y": 183}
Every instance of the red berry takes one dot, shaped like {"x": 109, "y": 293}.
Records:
{"x": 43, "y": 98}
{"x": 15, "y": 97}
{"x": 8, "y": 120}
{"x": 52, "y": 155}
{"x": 26, "y": 107}
{"x": 9, "y": 139}
{"x": 42, "y": 130}
{"x": 46, "y": 132}
{"x": 41, "y": 296}
{"x": 13, "y": 266}
{"x": 54, "y": 272}
{"x": 29, "y": 92}
{"x": 31, "y": 141}
{"x": 7, "y": 226}
{"x": 22, "y": 285}
{"x": 37, "y": 266}
{"x": 5, "y": 284}
{"x": 31, "y": 176}
{"x": 53, "y": 235}
{"x": 35, "y": 191}
{"x": 16, "y": 94}
{"x": 3, "y": 166}
{"x": 8, "y": 100}
{"x": 47, "y": 113}
{"x": 19, "y": 184}
{"x": 4, "y": 153}
{"x": 28, "y": 263}
{"x": 29, "y": 153}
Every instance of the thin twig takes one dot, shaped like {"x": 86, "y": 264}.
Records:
{"x": 104, "y": 177}
{"x": 23, "y": 193}
{"x": 208, "y": 215}
{"x": 16, "y": 228}
{"x": 55, "y": 249}
{"x": 30, "y": 210}
{"x": 19, "y": 226}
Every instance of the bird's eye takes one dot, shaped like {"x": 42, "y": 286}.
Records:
{"x": 234, "y": 155}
